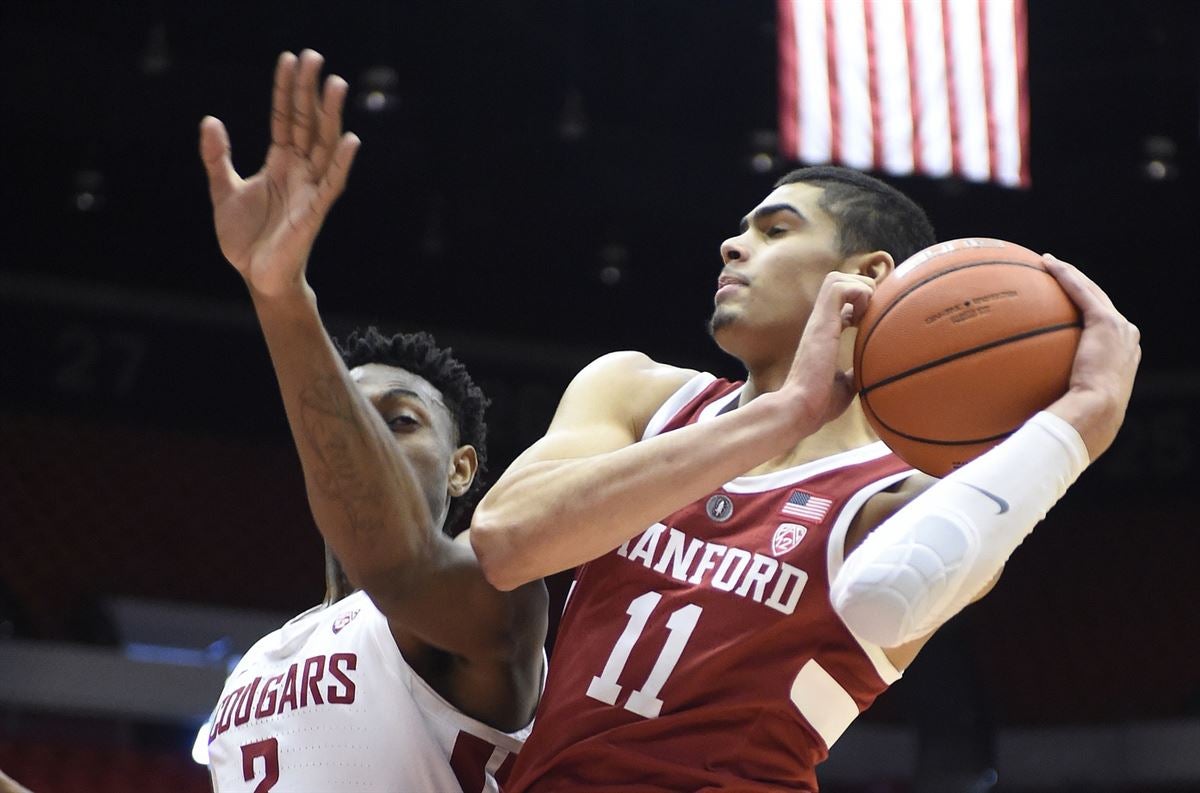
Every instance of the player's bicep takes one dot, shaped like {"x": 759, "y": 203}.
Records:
{"x": 573, "y": 442}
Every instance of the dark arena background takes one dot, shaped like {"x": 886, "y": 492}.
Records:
{"x": 540, "y": 181}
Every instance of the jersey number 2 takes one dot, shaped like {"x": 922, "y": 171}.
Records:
{"x": 268, "y": 750}
{"x": 644, "y": 701}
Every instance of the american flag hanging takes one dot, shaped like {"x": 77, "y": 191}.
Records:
{"x": 936, "y": 87}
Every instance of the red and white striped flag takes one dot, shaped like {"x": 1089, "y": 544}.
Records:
{"x": 802, "y": 504}
{"x": 935, "y": 87}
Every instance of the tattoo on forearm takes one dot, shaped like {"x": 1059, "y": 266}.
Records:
{"x": 337, "y": 436}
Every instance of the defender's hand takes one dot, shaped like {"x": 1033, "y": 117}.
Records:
{"x": 1106, "y": 361}
{"x": 266, "y": 224}
{"x": 819, "y": 390}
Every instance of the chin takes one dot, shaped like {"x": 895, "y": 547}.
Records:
{"x": 720, "y": 327}
{"x": 720, "y": 320}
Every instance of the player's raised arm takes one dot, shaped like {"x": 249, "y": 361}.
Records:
{"x": 266, "y": 224}
{"x": 589, "y": 484}
{"x": 364, "y": 492}
{"x": 970, "y": 522}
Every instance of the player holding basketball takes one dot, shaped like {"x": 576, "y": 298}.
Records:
{"x": 416, "y": 681}
{"x": 753, "y": 567}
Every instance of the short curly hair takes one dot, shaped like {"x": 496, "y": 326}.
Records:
{"x": 419, "y": 354}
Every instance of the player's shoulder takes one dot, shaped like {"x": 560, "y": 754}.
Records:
{"x": 347, "y": 609}
{"x": 630, "y": 381}
{"x": 637, "y": 367}
{"x": 633, "y": 373}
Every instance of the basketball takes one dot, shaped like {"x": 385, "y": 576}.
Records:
{"x": 959, "y": 346}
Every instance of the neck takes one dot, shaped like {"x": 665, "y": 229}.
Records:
{"x": 337, "y": 584}
{"x": 850, "y": 430}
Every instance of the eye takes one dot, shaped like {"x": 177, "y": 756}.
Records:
{"x": 402, "y": 422}
{"x": 776, "y": 231}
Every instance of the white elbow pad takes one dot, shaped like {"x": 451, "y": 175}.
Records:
{"x": 924, "y": 564}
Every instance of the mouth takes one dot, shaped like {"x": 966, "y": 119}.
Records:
{"x": 727, "y": 284}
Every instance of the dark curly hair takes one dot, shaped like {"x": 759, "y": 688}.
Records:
{"x": 419, "y": 354}
{"x": 870, "y": 215}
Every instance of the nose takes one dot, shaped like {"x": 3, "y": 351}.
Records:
{"x": 733, "y": 250}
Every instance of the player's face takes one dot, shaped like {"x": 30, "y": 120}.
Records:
{"x": 774, "y": 268}
{"x": 422, "y": 426}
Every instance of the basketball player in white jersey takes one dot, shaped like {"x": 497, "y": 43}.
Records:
{"x": 753, "y": 566}
{"x": 426, "y": 677}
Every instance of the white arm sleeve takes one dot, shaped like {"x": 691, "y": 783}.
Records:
{"x": 924, "y": 564}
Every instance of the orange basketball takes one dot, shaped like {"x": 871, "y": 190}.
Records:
{"x": 959, "y": 347}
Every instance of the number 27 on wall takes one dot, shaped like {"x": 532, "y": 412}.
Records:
{"x": 644, "y": 701}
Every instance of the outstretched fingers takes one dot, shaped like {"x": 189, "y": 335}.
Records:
{"x": 334, "y": 180}
{"x": 329, "y": 123}
{"x": 281, "y": 100}
{"x": 304, "y": 101}
{"x": 215, "y": 152}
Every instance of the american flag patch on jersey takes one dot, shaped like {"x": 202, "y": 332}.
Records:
{"x": 802, "y": 504}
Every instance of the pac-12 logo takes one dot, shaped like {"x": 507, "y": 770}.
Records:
{"x": 344, "y": 620}
{"x": 787, "y": 537}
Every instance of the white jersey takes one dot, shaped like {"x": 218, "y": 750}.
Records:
{"x": 328, "y": 703}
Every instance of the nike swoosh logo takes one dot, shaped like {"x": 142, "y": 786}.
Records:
{"x": 1001, "y": 503}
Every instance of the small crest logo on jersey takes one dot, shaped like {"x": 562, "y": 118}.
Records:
{"x": 802, "y": 504}
{"x": 344, "y": 620}
{"x": 787, "y": 537}
{"x": 719, "y": 508}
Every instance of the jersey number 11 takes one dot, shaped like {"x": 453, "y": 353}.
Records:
{"x": 644, "y": 701}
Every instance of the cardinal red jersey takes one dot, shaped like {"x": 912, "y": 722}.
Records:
{"x": 704, "y": 653}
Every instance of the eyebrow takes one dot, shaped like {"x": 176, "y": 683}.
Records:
{"x": 399, "y": 392}
{"x": 765, "y": 211}
{"x": 403, "y": 393}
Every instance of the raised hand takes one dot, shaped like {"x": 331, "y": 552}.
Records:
{"x": 266, "y": 224}
{"x": 821, "y": 389}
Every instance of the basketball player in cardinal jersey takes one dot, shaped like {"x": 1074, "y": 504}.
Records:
{"x": 754, "y": 567}
{"x": 426, "y": 677}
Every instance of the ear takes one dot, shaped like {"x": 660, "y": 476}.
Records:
{"x": 876, "y": 265}
{"x": 463, "y": 465}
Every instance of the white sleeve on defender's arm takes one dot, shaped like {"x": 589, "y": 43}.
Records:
{"x": 924, "y": 564}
